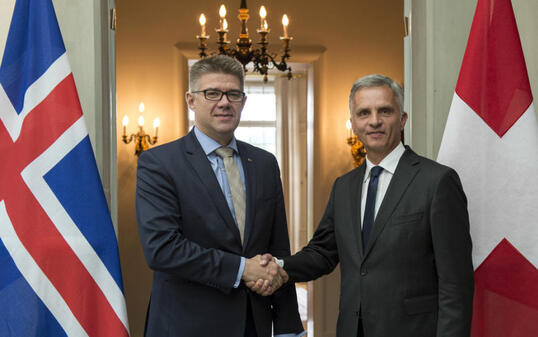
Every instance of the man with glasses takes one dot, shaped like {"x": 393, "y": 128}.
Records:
{"x": 207, "y": 206}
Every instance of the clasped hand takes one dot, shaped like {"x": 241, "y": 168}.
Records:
{"x": 262, "y": 275}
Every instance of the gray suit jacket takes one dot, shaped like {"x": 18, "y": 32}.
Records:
{"x": 415, "y": 278}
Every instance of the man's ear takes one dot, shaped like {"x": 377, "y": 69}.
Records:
{"x": 403, "y": 119}
{"x": 189, "y": 98}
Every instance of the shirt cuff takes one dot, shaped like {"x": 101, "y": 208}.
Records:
{"x": 280, "y": 262}
{"x": 291, "y": 334}
{"x": 240, "y": 272}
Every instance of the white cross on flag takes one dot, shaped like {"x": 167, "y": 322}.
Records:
{"x": 491, "y": 139}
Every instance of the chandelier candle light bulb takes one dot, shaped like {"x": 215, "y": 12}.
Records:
{"x": 202, "y": 24}
{"x": 222, "y": 14}
{"x": 285, "y": 23}
{"x": 263, "y": 22}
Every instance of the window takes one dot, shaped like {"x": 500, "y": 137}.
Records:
{"x": 258, "y": 120}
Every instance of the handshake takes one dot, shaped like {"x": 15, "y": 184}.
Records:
{"x": 262, "y": 275}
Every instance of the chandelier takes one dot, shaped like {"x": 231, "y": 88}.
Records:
{"x": 243, "y": 51}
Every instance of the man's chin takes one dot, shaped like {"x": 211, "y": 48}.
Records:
{"x": 377, "y": 150}
{"x": 375, "y": 146}
{"x": 226, "y": 129}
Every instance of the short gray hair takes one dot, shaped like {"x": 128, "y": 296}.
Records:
{"x": 373, "y": 81}
{"x": 216, "y": 64}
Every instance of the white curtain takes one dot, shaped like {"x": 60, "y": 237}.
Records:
{"x": 291, "y": 101}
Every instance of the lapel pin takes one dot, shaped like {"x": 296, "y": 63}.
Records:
{"x": 249, "y": 159}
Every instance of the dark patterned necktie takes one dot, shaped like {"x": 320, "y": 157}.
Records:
{"x": 369, "y": 210}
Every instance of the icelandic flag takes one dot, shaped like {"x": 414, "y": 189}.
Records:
{"x": 59, "y": 265}
{"x": 491, "y": 139}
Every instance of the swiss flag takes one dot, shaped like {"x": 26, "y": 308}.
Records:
{"x": 491, "y": 139}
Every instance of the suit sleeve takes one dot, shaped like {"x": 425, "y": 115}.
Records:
{"x": 320, "y": 256}
{"x": 165, "y": 247}
{"x": 452, "y": 248}
{"x": 286, "y": 318}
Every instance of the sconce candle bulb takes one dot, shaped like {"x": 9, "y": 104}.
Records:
{"x": 348, "y": 127}
{"x": 156, "y": 124}
{"x": 124, "y": 122}
{"x": 358, "y": 152}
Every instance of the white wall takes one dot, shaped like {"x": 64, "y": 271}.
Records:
{"x": 6, "y": 11}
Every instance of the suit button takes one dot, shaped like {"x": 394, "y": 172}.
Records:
{"x": 364, "y": 272}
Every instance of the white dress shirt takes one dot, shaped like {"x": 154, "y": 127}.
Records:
{"x": 388, "y": 164}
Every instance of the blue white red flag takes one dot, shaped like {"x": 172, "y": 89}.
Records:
{"x": 60, "y": 272}
{"x": 491, "y": 139}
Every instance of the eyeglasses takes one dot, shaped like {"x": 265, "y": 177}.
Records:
{"x": 216, "y": 95}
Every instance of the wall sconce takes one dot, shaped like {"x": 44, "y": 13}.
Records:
{"x": 358, "y": 152}
{"x": 142, "y": 140}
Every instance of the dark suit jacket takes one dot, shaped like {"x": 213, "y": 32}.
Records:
{"x": 415, "y": 278}
{"x": 192, "y": 243}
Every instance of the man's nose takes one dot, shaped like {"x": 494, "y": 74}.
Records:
{"x": 374, "y": 119}
{"x": 224, "y": 100}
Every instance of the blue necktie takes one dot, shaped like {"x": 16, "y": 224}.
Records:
{"x": 369, "y": 210}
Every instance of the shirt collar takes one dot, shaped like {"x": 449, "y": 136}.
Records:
{"x": 209, "y": 145}
{"x": 388, "y": 163}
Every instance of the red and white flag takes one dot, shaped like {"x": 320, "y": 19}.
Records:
{"x": 491, "y": 139}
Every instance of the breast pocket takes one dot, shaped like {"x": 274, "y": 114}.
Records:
{"x": 407, "y": 219}
{"x": 265, "y": 210}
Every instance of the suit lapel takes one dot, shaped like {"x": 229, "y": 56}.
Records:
{"x": 355, "y": 204}
{"x": 403, "y": 175}
{"x": 249, "y": 168}
{"x": 202, "y": 167}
